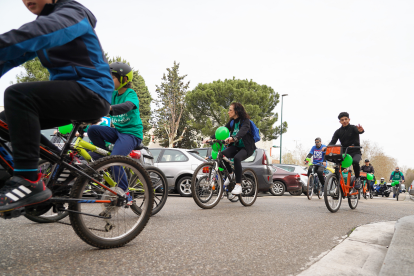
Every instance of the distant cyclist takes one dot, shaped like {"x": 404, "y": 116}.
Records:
{"x": 63, "y": 38}
{"x": 383, "y": 186}
{"x": 398, "y": 176}
{"x": 368, "y": 168}
{"x": 241, "y": 142}
{"x": 348, "y": 135}
{"x": 318, "y": 157}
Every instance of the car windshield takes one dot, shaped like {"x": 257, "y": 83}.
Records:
{"x": 196, "y": 155}
{"x": 287, "y": 168}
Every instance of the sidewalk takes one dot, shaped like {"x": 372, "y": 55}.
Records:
{"x": 383, "y": 248}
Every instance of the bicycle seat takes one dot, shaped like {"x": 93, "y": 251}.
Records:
{"x": 139, "y": 147}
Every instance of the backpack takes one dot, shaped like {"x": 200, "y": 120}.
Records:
{"x": 253, "y": 129}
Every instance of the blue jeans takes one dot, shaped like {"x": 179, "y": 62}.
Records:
{"x": 123, "y": 145}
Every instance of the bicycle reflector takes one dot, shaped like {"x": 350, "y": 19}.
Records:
{"x": 206, "y": 170}
{"x": 136, "y": 154}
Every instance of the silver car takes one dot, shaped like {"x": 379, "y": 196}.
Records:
{"x": 178, "y": 165}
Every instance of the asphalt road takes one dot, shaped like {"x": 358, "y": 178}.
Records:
{"x": 276, "y": 236}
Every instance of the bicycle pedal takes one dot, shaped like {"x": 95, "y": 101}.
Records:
{"x": 13, "y": 213}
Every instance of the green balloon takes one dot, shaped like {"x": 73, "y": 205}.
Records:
{"x": 65, "y": 129}
{"x": 214, "y": 154}
{"x": 395, "y": 182}
{"x": 308, "y": 159}
{"x": 222, "y": 133}
{"x": 216, "y": 147}
{"x": 221, "y": 169}
{"x": 347, "y": 161}
{"x": 370, "y": 176}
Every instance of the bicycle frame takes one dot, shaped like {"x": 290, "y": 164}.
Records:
{"x": 346, "y": 187}
{"x": 59, "y": 164}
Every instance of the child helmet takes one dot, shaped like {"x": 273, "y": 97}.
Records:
{"x": 121, "y": 70}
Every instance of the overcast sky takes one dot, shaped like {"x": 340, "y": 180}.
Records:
{"x": 329, "y": 56}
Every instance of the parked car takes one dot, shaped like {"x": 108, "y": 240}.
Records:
{"x": 178, "y": 166}
{"x": 258, "y": 162}
{"x": 285, "y": 181}
{"x": 303, "y": 173}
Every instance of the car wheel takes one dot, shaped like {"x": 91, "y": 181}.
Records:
{"x": 184, "y": 186}
{"x": 296, "y": 193}
{"x": 278, "y": 188}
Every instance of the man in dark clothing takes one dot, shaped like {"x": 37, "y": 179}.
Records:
{"x": 368, "y": 168}
{"x": 348, "y": 135}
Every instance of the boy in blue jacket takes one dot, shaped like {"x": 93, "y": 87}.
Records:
{"x": 80, "y": 88}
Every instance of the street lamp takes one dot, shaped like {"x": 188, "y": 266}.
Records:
{"x": 281, "y": 128}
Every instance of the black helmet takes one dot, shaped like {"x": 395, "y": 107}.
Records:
{"x": 121, "y": 70}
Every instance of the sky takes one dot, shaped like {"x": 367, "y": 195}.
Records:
{"x": 328, "y": 56}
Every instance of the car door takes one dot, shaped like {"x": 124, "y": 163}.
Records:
{"x": 171, "y": 162}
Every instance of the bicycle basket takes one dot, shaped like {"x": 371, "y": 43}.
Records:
{"x": 334, "y": 154}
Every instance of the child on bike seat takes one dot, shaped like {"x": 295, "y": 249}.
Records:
{"x": 348, "y": 135}
{"x": 241, "y": 142}
{"x": 124, "y": 112}
{"x": 80, "y": 87}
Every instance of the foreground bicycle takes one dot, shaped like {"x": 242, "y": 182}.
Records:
{"x": 98, "y": 209}
{"x": 79, "y": 148}
{"x": 396, "y": 188}
{"x": 313, "y": 182}
{"x": 207, "y": 182}
{"x": 335, "y": 187}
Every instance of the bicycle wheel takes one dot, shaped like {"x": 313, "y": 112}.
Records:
{"x": 207, "y": 185}
{"x": 397, "y": 189}
{"x": 320, "y": 190}
{"x": 311, "y": 180}
{"x": 332, "y": 193}
{"x": 352, "y": 201}
{"x": 249, "y": 187}
{"x": 160, "y": 187}
{"x": 120, "y": 224}
{"x": 43, "y": 213}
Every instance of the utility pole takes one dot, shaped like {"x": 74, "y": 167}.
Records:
{"x": 281, "y": 128}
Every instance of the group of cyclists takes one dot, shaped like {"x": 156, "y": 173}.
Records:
{"x": 348, "y": 135}
{"x": 84, "y": 87}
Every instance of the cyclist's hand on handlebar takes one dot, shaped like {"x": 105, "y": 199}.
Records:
{"x": 229, "y": 140}
{"x": 324, "y": 149}
{"x": 324, "y": 163}
{"x": 360, "y": 128}
{"x": 207, "y": 140}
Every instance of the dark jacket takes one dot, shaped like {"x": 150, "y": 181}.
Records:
{"x": 244, "y": 133}
{"x": 348, "y": 136}
{"x": 64, "y": 39}
{"x": 368, "y": 169}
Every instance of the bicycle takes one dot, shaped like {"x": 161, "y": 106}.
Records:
{"x": 102, "y": 218}
{"x": 335, "y": 187}
{"x": 313, "y": 182}
{"x": 396, "y": 188}
{"x": 207, "y": 182}
{"x": 158, "y": 178}
{"x": 366, "y": 187}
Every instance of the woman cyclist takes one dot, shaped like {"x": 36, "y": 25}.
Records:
{"x": 124, "y": 111}
{"x": 241, "y": 142}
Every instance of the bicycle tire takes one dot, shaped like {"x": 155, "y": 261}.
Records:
{"x": 353, "y": 201}
{"x": 249, "y": 187}
{"x": 320, "y": 190}
{"x": 39, "y": 213}
{"x": 79, "y": 221}
{"x": 310, "y": 186}
{"x": 203, "y": 191}
{"x": 332, "y": 184}
{"x": 160, "y": 188}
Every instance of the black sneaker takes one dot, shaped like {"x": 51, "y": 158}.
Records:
{"x": 357, "y": 184}
{"x": 20, "y": 192}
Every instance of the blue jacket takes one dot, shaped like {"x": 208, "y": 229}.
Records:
{"x": 318, "y": 154}
{"x": 64, "y": 39}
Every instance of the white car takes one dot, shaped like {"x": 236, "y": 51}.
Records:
{"x": 178, "y": 165}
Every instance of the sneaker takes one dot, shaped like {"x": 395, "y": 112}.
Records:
{"x": 130, "y": 199}
{"x": 357, "y": 184}
{"x": 231, "y": 196}
{"x": 19, "y": 192}
{"x": 237, "y": 190}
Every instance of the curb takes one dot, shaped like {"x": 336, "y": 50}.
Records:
{"x": 370, "y": 241}
{"x": 400, "y": 256}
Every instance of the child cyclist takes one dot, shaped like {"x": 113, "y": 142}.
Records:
{"x": 63, "y": 38}
{"x": 241, "y": 142}
{"x": 124, "y": 112}
{"x": 348, "y": 135}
